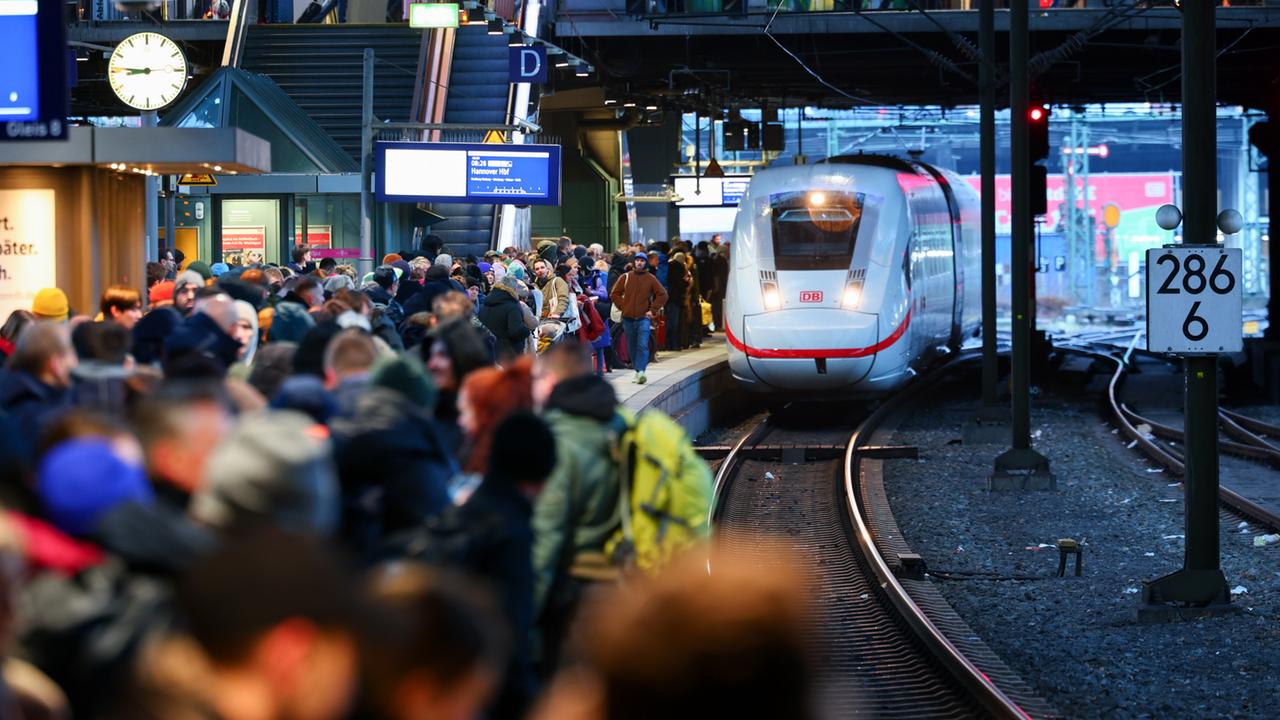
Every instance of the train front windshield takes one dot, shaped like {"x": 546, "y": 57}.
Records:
{"x": 815, "y": 229}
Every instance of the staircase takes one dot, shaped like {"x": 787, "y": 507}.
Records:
{"x": 478, "y": 90}
{"x": 320, "y": 67}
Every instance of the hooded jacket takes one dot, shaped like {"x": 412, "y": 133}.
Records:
{"x": 501, "y": 314}
{"x": 437, "y": 284}
{"x": 392, "y": 468}
{"x": 200, "y": 334}
{"x": 577, "y": 511}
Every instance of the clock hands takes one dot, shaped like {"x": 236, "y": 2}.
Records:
{"x": 145, "y": 71}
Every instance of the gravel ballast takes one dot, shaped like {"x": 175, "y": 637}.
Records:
{"x": 1077, "y": 641}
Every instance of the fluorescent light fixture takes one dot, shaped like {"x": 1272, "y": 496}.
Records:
{"x": 629, "y": 103}
{"x": 495, "y": 27}
{"x": 433, "y": 15}
{"x": 516, "y": 39}
{"x": 583, "y": 71}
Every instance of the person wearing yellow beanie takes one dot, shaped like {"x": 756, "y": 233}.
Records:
{"x": 50, "y": 304}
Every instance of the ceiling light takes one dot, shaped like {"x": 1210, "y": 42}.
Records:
{"x": 475, "y": 15}
{"x": 651, "y": 107}
{"x": 629, "y": 103}
{"x": 217, "y": 168}
{"x": 583, "y": 71}
{"x": 516, "y": 39}
{"x": 495, "y": 27}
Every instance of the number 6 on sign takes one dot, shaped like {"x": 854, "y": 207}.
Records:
{"x": 1193, "y": 300}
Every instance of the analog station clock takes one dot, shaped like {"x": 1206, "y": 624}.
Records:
{"x": 147, "y": 71}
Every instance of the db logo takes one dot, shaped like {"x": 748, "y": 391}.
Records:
{"x": 810, "y": 296}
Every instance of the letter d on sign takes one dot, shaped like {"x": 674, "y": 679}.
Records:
{"x": 527, "y": 64}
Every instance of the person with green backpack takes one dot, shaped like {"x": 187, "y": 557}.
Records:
{"x": 628, "y": 492}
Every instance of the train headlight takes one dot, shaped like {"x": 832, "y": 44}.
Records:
{"x": 772, "y": 298}
{"x": 852, "y": 294}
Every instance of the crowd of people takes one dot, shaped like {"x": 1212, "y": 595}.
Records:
{"x": 289, "y": 492}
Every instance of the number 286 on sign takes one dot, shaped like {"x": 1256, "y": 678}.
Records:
{"x": 1193, "y": 300}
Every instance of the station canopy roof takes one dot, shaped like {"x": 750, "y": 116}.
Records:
{"x": 157, "y": 150}
{"x": 232, "y": 97}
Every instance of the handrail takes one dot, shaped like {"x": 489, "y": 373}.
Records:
{"x": 243, "y": 12}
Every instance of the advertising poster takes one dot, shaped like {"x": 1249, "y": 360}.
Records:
{"x": 244, "y": 245}
{"x": 28, "y": 246}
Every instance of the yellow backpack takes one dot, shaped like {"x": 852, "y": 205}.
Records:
{"x": 665, "y": 493}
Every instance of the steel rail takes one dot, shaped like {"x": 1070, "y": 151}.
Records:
{"x": 970, "y": 676}
{"x": 1229, "y": 498}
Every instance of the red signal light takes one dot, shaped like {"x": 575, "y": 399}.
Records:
{"x": 1037, "y": 114}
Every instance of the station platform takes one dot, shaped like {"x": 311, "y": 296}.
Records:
{"x": 674, "y": 372}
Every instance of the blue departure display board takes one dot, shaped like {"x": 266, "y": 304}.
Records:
{"x": 468, "y": 173}
{"x": 19, "y": 61}
{"x": 33, "y": 70}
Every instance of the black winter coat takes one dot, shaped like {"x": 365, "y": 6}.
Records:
{"x": 31, "y": 405}
{"x": 501, "y": 314}
{"x": 489, "y": 538}
{"x": 392, "y": 467}
{"x": 423, "y": 299}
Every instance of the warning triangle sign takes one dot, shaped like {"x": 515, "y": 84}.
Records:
{"x": 495, "y": 137}
{"x": 201, "y": 179}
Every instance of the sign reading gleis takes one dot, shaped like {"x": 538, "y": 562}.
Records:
{"x": 27, "y": 247}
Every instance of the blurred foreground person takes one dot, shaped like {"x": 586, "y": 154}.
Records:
{"x": 34, "y": 391}
{"x": 688, "y": 644}
{"x": 275, "y": 616}
{"x": 448, "y": 662}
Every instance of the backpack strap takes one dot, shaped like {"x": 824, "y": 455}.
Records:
{"x": 621, "y": 427}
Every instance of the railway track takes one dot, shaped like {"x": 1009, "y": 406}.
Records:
{"x": 889, "y": 646}
{"x": 1249, "y": 459}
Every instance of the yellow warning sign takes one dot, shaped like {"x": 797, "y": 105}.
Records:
{"x": 191, "y": 179}
{"x": 496, "y": 137}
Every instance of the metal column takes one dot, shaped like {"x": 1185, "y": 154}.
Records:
{"x": 365, "y": 263}
{"x": 987, "y": 160}
{"x": 151, "y": 204}
{"x": 1020, "y": 467}
{"x": 990, "y": 424}
{"x": 1200, "y": 583}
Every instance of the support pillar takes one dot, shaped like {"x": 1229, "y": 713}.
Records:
{"x": 365, "y": 263}
{"x": 990, "y": 424}
{"x": 1200, "y": 585}
{"x": 1020, "y": 467}
{"x": 151, "y": 204}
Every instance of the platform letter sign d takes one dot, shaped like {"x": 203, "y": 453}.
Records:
{"x": 527, "y": 64}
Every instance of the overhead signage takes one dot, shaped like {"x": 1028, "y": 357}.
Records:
{"x": 433, "y": 15}
{"x": 28, "y": 257}
{"x": 195, "y": 180}
{"x": 33, "y": 72}
{"x": 468, "y": 173}
{"x": 527, "y": 64}
{"x": 494, "y": 137}
{"x": 726, "y": 191}
{"x": 1194, "y": 300}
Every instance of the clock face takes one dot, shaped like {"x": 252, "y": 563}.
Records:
{"x": 147, "y": 71}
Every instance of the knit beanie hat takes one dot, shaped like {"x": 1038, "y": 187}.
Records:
{"x": 390, "y": 258}
{"x": 201, "y": 268}
{"x": 50, "y": 304}
{"x": 272, "y": 468}
{"x": 217, "y": 269}
{"x": 81, "y": 480}
{"x": 161, "y": 292}
{"x": 405, "y": 375}
{"x": 188, "y": 277}
{"x": 547, "y": 251}
{"x": 523, "y": 448}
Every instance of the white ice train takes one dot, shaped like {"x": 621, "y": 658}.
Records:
{"x": 847, "y": 275}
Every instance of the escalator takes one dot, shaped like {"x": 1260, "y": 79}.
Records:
{"x": 478, "y": 94}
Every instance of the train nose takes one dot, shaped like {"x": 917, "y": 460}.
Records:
{"x": 810, "y": 349}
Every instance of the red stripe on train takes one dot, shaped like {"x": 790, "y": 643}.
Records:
{"x": 799, "y": 354}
